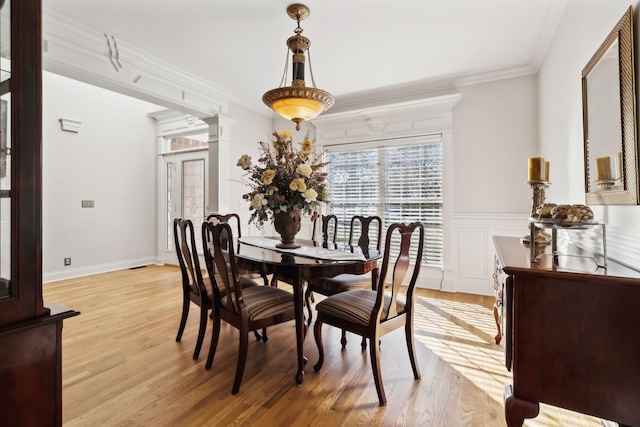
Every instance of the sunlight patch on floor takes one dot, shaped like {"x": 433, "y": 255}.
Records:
{"x": 462, "y": 335}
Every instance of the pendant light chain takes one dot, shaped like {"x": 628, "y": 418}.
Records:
{"x": 285, "y": 74}
{"x": 313, "y": 81}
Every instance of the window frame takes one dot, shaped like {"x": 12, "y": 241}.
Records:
{"x": 379, "y": 207}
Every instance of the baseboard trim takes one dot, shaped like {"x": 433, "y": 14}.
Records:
{"x": 95, "y": 269}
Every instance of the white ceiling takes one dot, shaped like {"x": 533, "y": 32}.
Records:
{"x": 357, "y": 46}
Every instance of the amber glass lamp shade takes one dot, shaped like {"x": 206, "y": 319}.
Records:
{"x": 298, "y": 108}
{"x": 298, "y": 103}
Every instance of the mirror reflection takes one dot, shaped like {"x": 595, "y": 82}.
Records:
{"x": 603, "y": 115}
{"x": 609, "y": 118}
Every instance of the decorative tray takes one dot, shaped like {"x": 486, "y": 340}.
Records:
{"x": 562, "y": 223}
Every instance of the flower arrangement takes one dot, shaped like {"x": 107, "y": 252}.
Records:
{"x": 285, "y": 179}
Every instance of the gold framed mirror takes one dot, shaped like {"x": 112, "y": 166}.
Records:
{"x": 609, "y": 120}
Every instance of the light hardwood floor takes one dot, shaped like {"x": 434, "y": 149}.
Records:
{"x": 123, "y": 367}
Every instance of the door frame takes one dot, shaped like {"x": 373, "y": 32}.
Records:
{"x": 167, "y": 255}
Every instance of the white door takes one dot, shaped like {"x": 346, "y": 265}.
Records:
{"x": 186, "y": 175}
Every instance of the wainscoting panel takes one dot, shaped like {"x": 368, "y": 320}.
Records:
{"x": 473, "y": 251}
{"x": 622, "y": 243}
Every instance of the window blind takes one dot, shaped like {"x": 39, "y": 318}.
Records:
{"x": 400, "y": 182}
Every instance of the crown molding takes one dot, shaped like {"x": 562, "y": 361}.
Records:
{"x": 554, "y": 16}
{"x": 418, "y": 90}
{"x": 78, "y": 52}
{"x": 505, "y": 73}
{"x": 402, "y": 119}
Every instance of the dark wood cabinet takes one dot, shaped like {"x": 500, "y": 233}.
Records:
{"x": 30, "y": 328}
{"x": 572, "y": 335}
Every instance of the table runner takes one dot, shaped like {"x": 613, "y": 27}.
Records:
{"x": 306, "y": 251}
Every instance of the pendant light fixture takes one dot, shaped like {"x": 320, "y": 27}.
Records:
{"x": 298, "y": 102}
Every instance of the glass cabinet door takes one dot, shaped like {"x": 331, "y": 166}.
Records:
{"x": 6, "y": 289}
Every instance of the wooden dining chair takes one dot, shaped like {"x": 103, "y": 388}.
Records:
{"x": 228, "y": 218}
{"x": 246, "y": 309}
{"x": 193, "y": 286}
{"x": 374, "y": 313}
{"x": 253, "y": 275}
{"x": 347, "y": 282}
{"x": 329, "y": 229}
{"x": 234, "y": 218}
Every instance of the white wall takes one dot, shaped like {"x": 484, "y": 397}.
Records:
{"x": 495, "y": 132}
{"x": 583, "y": 27}
{"x": 111, "y": 161}
{"x": 248, "y": 129}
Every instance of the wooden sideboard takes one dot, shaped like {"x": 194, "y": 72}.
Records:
{"x": 31, "y": 369}
{"x": 571, "y": 335}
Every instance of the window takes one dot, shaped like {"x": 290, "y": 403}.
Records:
{"x": 398, "y": 180}
{"x": 178, "y": 143}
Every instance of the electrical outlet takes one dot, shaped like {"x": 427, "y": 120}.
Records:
{"x": 88, "y": 203}
{"x": 67, "y": 261}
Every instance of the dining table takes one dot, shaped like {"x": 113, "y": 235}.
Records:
{"x": 312, "y": 259}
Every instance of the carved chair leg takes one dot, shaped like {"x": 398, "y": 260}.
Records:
{"x": 308, "y": 296}
{"x": 214, "y": 342}
{"x": 203, "y": 327}
{"x": 242, "y": 360}
{"x": 258, "y": 335}
{"x": 183, "y": 319}
{"x": 374, "y": 351}
{"x": 343, "y": 339}
{"x": 363, "y": 344}
{"x": 264, "y": 335}
{"x": 317, "y": 334}
{"x": 411, "y": 346}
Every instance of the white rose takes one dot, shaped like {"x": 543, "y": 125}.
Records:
{"x": 304, "y": 169}
{"x": 258, "y": 200}
{"x": 310, "y": 195}
{"x": 244, "y": 162}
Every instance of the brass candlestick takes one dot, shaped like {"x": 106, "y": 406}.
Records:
{"x": 537, "y": 199}
{"x": 605, "y": 184}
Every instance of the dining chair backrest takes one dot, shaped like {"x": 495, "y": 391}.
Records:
{"x": 185, "y": 245}
{"x": 228, "y": 218}
{"x": 364, "y": 235}
{"x": 406, "y": 258}
{"x": 220, "y": 260}
{"x": 329, "y": 228}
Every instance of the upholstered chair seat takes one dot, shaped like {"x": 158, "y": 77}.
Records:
{"x": 356, "y": 306}
{"x": 343, "y": 282}
{"x": 264, "y": 301}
